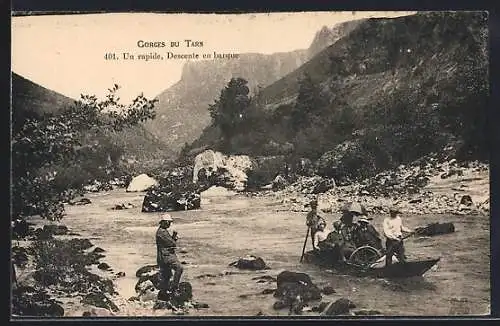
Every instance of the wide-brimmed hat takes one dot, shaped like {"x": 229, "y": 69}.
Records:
{"x": 395, "y": 210}
{"x": 166, "y": 218}
{"x": 354, "y": 207}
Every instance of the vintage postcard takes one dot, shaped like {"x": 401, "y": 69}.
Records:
{"x": 259, "y": 164}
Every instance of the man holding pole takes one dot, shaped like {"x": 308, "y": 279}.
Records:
{"x": 313, "y": 220}
{"x": 393, "y": 231}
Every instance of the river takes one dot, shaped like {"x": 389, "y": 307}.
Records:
{"x": 230, "y": 227}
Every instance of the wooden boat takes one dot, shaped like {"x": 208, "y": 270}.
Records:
{"x": 395, "y": 270}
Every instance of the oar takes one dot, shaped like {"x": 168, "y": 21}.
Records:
{"x": 305, "y": 243}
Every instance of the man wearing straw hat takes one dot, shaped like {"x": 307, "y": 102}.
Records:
{"x": 166, "y": 257}
{"x": 313, "y": 220}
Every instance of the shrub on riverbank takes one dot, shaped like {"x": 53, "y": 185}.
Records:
{"x": 60, "y": 266}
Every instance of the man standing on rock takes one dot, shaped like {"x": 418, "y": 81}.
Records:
{"x": 393, "y": 231}
{"x": 313, "y": 219}
{"x": 166, "y": 257}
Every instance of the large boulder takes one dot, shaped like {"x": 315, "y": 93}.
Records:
{"x": 209, "y": 161}
{"x": 177, "y": 299}
{"x": 216, "y": 191}
{"x": 250, "y": 262}
{"x": 159, "y": 199}
{"x": 339, "y": 307}
{"x": 97, "y": 312}
{"x": 234, "y": 167}
{"x": 100, "y": 300}
{"x": 436, "y": 229}
{"x": 292, "y": 284}
{"x": 147, "y": 270}
{"x": 55, "y": 229}
{"x": 141, "y": 182}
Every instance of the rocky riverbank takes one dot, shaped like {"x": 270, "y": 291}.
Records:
{"x": 51, "y": 262}
{"x": 419, "y": 188}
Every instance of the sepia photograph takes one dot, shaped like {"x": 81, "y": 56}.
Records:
{"x": 320, "y": 164}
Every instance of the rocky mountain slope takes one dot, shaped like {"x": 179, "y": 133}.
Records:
{"x": 201, "y": 83}
{"x": 30, "y": 99}
{"x": 403, "y": 86}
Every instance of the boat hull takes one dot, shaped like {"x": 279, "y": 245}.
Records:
{"x": 395, "y": 270}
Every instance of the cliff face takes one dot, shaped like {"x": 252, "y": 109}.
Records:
{"x": 327, "y": 36}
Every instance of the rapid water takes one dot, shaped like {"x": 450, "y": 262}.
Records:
{"x": 230, "y": 227}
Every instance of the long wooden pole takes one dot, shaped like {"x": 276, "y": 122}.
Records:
{"x": 305, "y": 243}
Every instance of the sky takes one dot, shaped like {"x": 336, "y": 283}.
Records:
{"x": 66, "y": 53}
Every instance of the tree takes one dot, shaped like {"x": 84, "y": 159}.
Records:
{"x": 230, "y": 110}
{"x": 309, "y": 100}
{"x": 41, "y": 143}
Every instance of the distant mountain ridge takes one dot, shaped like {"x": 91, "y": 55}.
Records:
{"x": 183, "y": 107}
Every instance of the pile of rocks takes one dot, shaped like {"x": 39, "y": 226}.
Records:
{"x": 175, "y": 192}
{"x": 148, "y": 289}
{"x": 424, "y": 187}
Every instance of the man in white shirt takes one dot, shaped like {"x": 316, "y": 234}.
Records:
{"x": 393, "y": 231}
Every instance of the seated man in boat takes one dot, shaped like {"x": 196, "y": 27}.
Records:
{"x": 345, "y": 229}
{"x": 366, "y": 234}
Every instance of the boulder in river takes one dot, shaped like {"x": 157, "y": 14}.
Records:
{"x": 154, "y": 278}
{"x": 466, "y": 200}
{"x": 148, "y": 269}
{"x": 216, "y": 191}
{"x": 98, "y": 250}
{"x": 339, "y": 307}
{"x": 183, "y": 294}
{"x": 97, "y": 312}
{"x": 250, "y": 262}
{"x": 292, "y": 284}
{"x": 327, "y": 290}
{"x": 100, "y": 300}
{"x": 55, "y": 229}
{"x": 140, "y": 183}
{"x": 234, "y": 168}
{"x": 81, "y": 201}
{"x": 160, "y": 199}
{"x": 103, "y": 266}
{"x": 118, "y": 207}
{"x": 42, "y": 234}
{"x": 436, "y": 229}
